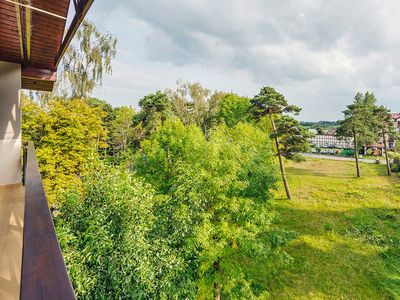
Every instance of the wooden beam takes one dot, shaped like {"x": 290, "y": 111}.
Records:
{"x": 21, "y": 42}
{"x": 38, "y": 79}
{"x": 28, "y": 31}
{"x": 39, "y": 74}
{"x": 83, "y": 7}
{"x": 44, "y": 86}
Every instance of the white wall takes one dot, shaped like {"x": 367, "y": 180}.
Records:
{"x": 10, "y": 123}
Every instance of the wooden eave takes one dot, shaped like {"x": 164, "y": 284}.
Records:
{"x": 34, "y": 37}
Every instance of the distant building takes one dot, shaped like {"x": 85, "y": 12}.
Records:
{"x": 330, "y": 140}
{"x": 396, "y": 120}
{"x": 330, "y": 143}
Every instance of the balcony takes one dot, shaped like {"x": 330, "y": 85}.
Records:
{"x": 31, "y": 262}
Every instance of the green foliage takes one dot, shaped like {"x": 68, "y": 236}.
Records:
{"x": 155, "y": 109}
{"x": 122, "y": 134}
{"x": 320, "y": 124}
{"x": 111, "y": 243}
{"x": 359, "y": 120}
{"x": 215, "y": 194}
{"x": 360, "y": 123}
{"x": 194, "y": 104}
{"x": 67, "y": 134}
{"x": 85, "y": 61}
{"x": 109, "y": 112}
{"x": 293, "y": 138}
{"x": 200, "y": 203}
{"x": 269, "y": 101}
{"x": 384, "y": 124}
{"x": 233, "y": 109}
{"x": 107, "y": 118}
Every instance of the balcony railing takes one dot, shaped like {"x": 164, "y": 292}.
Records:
{"x": 44, "y": 274}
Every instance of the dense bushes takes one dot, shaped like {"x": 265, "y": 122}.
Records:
{"x": 110, "y": 244}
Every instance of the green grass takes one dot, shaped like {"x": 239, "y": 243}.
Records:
{"x": 348, "y": 243}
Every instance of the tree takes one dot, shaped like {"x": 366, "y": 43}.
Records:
{"x": 215, "y": 192}
{"x": 67, "y": 135}
{"x": 293, "y": 138}
{"x": 155, "y": 109}
{"x": 273, "y": 104}
{"x": 358, "y": 123}
{"x": 111, "y": 245}
{"x": 194, "y": 104}
{"x": 233, "y": 109}
{"x": 85, "y": 61}
{"x": 107, "y": 118}
{"x": 121, "y": 130}
{"x": 385, "y": 127}
{"x": 109, "y": 112}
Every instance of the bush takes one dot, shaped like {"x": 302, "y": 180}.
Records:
{"x": 396, "y": 162}
{"x": 110, "y": 245}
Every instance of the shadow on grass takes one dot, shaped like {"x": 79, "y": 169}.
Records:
{"x": 311, "y": 172}
{"x": 304, "y": 171}
{"x": 340, "y": 268}
{"x": 316, "y": 273}
{"x": 309, "y": 167}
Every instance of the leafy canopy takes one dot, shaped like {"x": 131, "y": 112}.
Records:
{"x": 233, "y": 109}
{"x": 155, "y": 109}
{"x": 194, "y": 104}
{"x": 215, "y": 196}
{"x": 269, "y": 101}
{"x": 111, "y": 242}
{"x": 293, "y": 138}
{"x": 67, "y": 134}
{"x": 85, "y": 61}
{"x": 359, "y": 119}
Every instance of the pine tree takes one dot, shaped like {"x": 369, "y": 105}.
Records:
{"x": 385, "y": 127}
{"x": 358, "y": 123}
{"x": 290, "y": 137}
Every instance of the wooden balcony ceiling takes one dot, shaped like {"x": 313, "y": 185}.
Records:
{"x": 31, "y": 34}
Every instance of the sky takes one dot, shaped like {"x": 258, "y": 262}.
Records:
{"x": 317, "y": 53}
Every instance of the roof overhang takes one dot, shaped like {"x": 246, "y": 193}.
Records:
{"x": 32, "y": 35}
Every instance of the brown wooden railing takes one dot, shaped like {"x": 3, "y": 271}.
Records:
{"x": 44, "y": 275}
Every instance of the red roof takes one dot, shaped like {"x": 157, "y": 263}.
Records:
{"x": 396, "y": 116}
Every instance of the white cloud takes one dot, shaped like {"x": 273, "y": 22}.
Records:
{"x": 318, "y": 53}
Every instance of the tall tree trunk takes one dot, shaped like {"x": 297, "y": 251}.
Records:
{"x": 389, "y": 172}
{"x": 278, "y": 150}
{"x": 217, "y": 286}
{"x": 356, "y": 155}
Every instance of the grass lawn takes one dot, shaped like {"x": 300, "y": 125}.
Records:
{"x": 348, "y": 243}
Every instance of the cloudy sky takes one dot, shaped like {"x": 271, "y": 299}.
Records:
{"x": 317, "y": 53}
